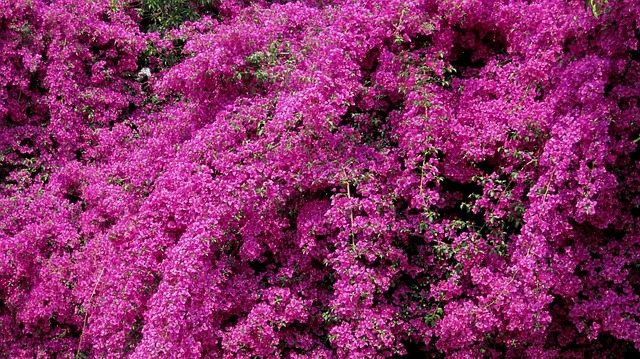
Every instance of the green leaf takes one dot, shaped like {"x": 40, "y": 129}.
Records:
{"x": 596, "y": 6}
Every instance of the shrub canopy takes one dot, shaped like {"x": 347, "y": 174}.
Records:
{"x": 319, "y": 179}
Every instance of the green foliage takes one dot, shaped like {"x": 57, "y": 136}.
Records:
{"x": 431, "y": 318}
{"x": 596, "y": 6}
{"x": 163, "y": 15}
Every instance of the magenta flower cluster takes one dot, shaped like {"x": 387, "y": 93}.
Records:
{"x": 321, "y": 179}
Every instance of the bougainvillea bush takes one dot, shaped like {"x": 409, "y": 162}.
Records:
{"x": 319, "y": 179}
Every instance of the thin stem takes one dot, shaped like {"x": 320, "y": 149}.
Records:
{"x": 353, "y": 241}
{"x": 544, "y": 197}
{"x": 86, "y": 313}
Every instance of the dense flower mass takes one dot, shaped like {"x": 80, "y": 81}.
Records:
{"x": 320, "y": 179}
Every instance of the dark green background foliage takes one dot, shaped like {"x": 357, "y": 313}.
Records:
{"x": 163, "y": 15}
